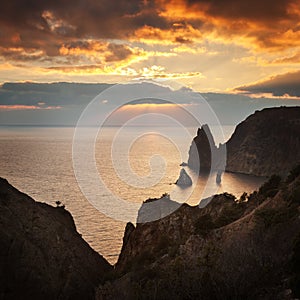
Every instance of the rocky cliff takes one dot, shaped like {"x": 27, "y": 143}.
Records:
{"x": 266, "y": 143}
{"x": 244, "y": 248}
{"x": 42, "y": 256}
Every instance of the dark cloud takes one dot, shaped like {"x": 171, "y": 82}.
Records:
{"x": 118, "y": 52}
{"x": 69, "y": 19}
{"x": 280, "y": 85}
{"x": 76, "y": 68}
{"x": 19, "y": 55}
{"x": 34, "y": 25}
{"x": 256, "y": 10}
{"x": 73, "y": 97}
{"x": 182, "y": 40}
{"x": 46, "y": 25}
{"x": 265, "y": 22}
{"x": 78, "y": 44}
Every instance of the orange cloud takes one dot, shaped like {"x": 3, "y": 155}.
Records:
{"x": 293, "y": 59}
{"x": 177, "y": 34}
{"x": 152, "y": 72}
{"x": 46, "y": 25}
{"x": 254, "y": 24}
{"x": 27, "y": 107}
{"x": 158, "y": 72}
{"x": 83, "y": 39}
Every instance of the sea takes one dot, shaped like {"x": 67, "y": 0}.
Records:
{"x": 129, "y": 166}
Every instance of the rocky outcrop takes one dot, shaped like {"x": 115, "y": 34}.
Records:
{"x": 266, "y": 143}
{"x": 200, "y": 153}
{"x": 42, "y": 256}
{"x": 154, "y": 209}
{"x": 204, "y": 156}
{"x": 228, "y": 249}
{"x": 184, "y": 179}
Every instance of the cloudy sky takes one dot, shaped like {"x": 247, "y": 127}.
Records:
{"x": 209, "y": 45}
{"x": 249, "y": 50}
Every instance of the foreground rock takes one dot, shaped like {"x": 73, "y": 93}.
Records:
{"x": 229, "y": 249}
{"x": 266, "y": 143}
{"x": 155, "y": 209}
{"x": 184, "y": 179}
{"x": 42, "y": 256}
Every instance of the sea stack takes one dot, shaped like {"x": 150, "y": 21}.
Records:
{"x": 202, "y": 150}
{"x": 184, "y": 179}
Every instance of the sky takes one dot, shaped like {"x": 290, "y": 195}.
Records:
{"x": 246, "y": 48}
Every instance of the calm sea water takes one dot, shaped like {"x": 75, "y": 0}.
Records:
{"x": 141, "y": 164}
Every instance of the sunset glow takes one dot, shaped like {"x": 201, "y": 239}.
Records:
{"x": 210, "y": 46}
{"x": 27, "y": 107}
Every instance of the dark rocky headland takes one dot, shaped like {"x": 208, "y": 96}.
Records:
{"x": 266, "y": 143}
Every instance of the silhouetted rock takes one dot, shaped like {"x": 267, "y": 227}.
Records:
{"x": 42, "y": 256}
{"x": 184, "y": 179}
{"x": 266, "y": 143}
{"x": 204, "y": 156}
{"x": 200, "y": 153}
{"x": 227, "y": 249}
{"x": 156, "y": 208}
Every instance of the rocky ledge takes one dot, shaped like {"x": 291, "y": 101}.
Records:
{"x": 42, "y": 256}
{"x": 247, "y": 248}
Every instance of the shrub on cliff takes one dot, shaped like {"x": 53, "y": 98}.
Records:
{"x": 294, "y": 197}
{"x": 294, "y": 173}
{"x": 270, "y": 188}
{"x": 204, "y": 224}
{"x": 273, "y": 216}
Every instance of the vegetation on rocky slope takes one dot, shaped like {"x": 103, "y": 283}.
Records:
{"x": 244, "y": 248}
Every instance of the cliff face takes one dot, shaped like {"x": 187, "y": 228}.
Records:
{"x": 246, "y": 249}
{"x": 266, "y": 143}
{"x": 42, "y": 256}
